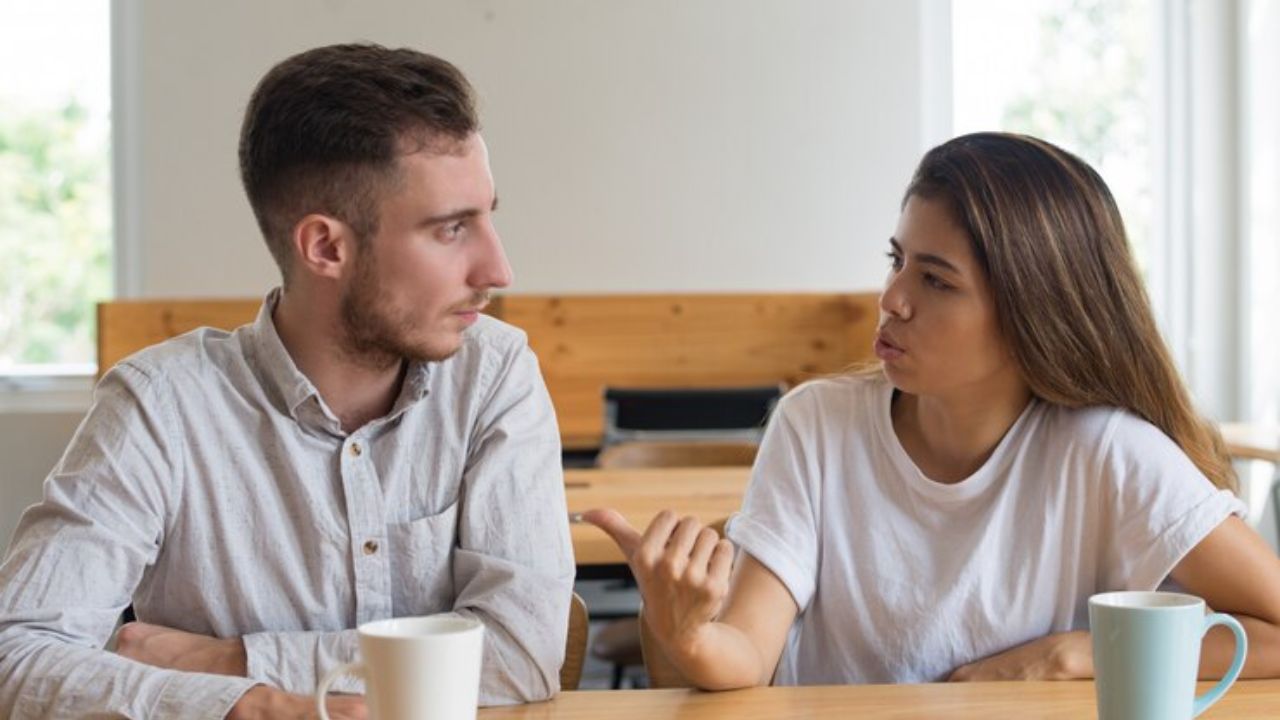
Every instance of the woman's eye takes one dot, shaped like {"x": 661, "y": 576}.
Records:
{"x": 895, "y": 260}
{"x": 934, "y": 281}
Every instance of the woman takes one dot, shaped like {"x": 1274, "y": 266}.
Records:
{"x": 1025, "y": 443}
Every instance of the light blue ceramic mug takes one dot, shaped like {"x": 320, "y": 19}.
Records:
{"x": 1146, "y": 654}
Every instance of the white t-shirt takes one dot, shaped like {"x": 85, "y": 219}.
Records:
{"x": 902, "y": 579}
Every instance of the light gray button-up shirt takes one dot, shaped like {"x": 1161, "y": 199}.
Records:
{"x": 210, "y": 486}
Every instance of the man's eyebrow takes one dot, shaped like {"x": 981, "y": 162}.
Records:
{"x": 458, "y": 214}
{"x": 451, "y": 217}
{"x": 927, "y": 258}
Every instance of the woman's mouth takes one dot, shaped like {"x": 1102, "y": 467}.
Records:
{"x": 886, "y": 350}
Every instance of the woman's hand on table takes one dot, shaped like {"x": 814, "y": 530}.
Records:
{"x": 1060, "y": 656}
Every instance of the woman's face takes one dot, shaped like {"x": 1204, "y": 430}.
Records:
{"x": 938, "y": 331}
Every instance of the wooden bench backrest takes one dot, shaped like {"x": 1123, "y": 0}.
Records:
{"x": 587, "y": 342}
{"x": 127, "y": 326}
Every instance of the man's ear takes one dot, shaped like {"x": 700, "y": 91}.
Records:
{"x": 323, "y": 246}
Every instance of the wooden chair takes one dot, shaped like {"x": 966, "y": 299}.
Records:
{"x": 1259, "y": 443}
{"x": 575, "y": 648}
{"x": 642, "y": 454}
{"x": 683, "y": 414}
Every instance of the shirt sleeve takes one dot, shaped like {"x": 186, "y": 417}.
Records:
{"x": 1157, "y": 506}
{"x": 296, "y": 661}
{"x": 513, "y": 568}
{"x": 75, "y": 560}
{"x": 778, "y": 524}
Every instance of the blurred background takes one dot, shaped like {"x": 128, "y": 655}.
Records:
{"x": 662, "y": 146}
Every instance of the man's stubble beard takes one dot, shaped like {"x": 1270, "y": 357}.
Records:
{"x": 370, "y": 336}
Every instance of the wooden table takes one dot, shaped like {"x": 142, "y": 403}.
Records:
{"x": 955, "y": 701}
{"x": 710, "y": 493}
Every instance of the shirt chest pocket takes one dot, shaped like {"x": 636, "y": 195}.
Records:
{"x": 422, "y": 563}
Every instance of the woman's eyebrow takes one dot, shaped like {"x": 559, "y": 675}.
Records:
{"x": 926, "y": 258}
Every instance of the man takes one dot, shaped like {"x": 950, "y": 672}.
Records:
{"x": 370, "y": 447}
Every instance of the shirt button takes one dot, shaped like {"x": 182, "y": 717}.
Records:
{"x": 370, "y": 547}
{"x": 355, "y": 449}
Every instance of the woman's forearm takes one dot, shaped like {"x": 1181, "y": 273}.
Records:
{"x": 722, "y": 657}
{"x": 1263, "y": 660}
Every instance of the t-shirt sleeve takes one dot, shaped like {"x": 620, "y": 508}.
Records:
{"x": 1156, "y": 506}
{"x": 778, "y": 524}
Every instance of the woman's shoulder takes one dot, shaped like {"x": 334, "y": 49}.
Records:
{"x": 1114, "y": 437}
{"x": 834, "y": 401}
{"x": 836, "y": 392}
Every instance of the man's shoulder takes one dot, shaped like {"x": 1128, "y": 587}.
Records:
{"x": 491, "y": 349}
{"x": 491, "y": 336}
{"x": 188, "y": 356}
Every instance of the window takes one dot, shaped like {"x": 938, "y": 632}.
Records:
{"x": 1262, "y": 254}
{"x": 1074, "y": 72}
{"x": 55, "y": 183}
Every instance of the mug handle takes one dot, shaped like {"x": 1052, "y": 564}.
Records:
{"x": 1242, "y": 647}
{"x": 356, "y": 669}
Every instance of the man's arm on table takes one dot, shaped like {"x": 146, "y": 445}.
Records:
{"x": 76, "y": 559}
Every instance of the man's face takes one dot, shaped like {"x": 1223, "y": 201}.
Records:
{"x": 423, "y": 277}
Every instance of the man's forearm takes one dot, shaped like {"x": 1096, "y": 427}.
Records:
{"x": 49, "y": 678}
{"x": 293, "y": 661}
{"x": 180, "y": 650}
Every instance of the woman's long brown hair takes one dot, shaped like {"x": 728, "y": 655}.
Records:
{"x": 1069, "y": 300}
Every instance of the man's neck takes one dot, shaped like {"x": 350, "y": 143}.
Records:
{"x": 311, "y": 332}
{"x": 951, "y": 437}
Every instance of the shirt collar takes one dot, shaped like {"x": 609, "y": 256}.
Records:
{"x": 298, "y": 395}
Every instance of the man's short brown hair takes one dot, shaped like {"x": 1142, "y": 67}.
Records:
{"x": 324, "y": 128}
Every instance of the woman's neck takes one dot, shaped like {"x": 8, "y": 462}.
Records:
{"x": 950, "y": 437}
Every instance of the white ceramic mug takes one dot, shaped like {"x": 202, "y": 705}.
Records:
{"x": 416, "y": 668}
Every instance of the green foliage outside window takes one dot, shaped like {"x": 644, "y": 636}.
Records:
{"x": 55, "y": 233}
{"x": 1092, "y": 97}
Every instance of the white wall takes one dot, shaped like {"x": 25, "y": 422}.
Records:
{"x": 664, "y": 145}
{"x": 30, "y": 445}
{"x": 638, "y": 146}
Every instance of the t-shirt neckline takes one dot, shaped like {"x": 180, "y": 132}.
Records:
{"x": 971, "y": 486}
